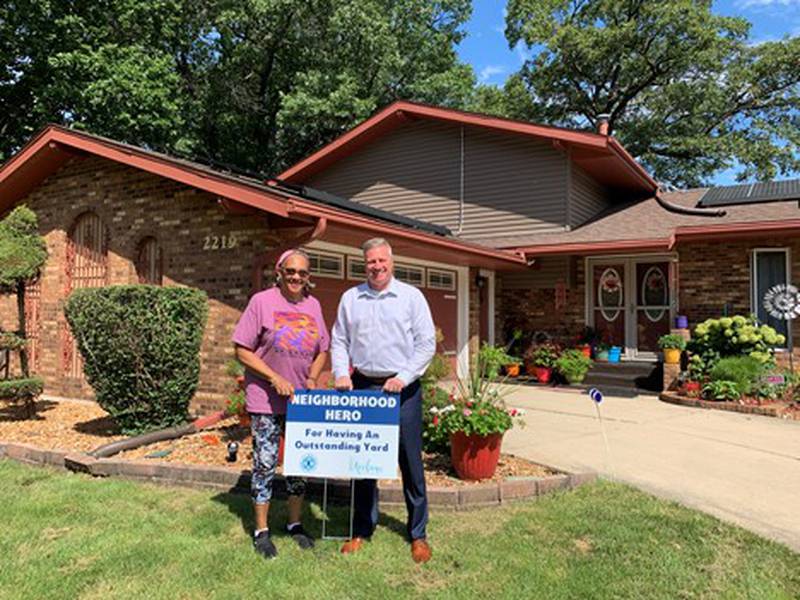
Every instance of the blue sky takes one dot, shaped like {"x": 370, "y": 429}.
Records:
{"x": 486, "y": 48}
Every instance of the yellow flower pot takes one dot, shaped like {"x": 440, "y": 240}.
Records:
{"x": 672, "y": 356}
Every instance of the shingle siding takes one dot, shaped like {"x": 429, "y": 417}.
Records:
{"x": 512, "y": 184}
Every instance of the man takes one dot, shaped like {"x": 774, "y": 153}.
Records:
{"x": 385, "y": 330}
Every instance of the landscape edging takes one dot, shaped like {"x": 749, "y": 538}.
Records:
{"x": 219, "y": 478}
{"x": 766, "y": 411}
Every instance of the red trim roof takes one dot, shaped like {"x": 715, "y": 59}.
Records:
{"x": 54, "y": 146}
{"x": 601, "y": 156}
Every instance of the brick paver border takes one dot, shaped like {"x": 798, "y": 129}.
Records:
{"x": 228, "y": 480}
{"x": 767, "y": 411}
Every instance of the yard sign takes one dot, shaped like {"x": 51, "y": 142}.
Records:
{"x": 351, "y": 435}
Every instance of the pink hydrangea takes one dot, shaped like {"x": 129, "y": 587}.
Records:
{"x": 467, "y": 412}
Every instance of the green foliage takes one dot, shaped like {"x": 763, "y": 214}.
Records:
{"x": 542, "y": 355}
{"x": 672, "y": 341}
{"x": 744, "y": 371}
{"x": 494, "y": 358}
{"x": 22, "y": 250}
{"x": 254, "y": 83}
{"x": 573, "y": 365}
{"x": 11, "y": 341}
{"x": 21, "y": 389}
{"x": 233, "y": 368}
{"x": 724, "y": 391}
{"x": 141, "y": 350}
{"x": 688, "y": 91}
{"x": 482, "y": 417}
{"x": 733, "y": 336}
{"x": 236, "y": 403}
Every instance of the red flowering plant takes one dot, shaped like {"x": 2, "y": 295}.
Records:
{"x": 477, "y": 405}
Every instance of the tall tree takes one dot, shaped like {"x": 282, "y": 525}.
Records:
{"x": 253, "y": 83}
{"x": 687, "y": 91}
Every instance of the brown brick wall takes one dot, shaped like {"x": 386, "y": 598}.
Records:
{"x": 133, "y": 204}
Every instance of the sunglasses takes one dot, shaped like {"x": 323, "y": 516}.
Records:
{"x": 302, "y": 273}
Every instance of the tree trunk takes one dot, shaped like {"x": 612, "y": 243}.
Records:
{"x": 23, "y": 352}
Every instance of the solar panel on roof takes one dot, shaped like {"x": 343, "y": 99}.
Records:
{"x": 751, "y": 193}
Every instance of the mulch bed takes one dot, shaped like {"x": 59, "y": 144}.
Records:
{"x": 83, "y": 426}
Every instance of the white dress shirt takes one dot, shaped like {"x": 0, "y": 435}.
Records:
{"x": 383, "y": 332}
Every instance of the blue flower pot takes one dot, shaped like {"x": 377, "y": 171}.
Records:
{"x": 682, "y": 322}
{"x": 614, "y": 354}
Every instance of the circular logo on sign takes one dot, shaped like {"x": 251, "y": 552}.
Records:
{"x": 308, "y": 463}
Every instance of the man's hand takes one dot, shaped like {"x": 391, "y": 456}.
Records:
{"x": 394, "y": 385}
{"x": 343, "y": 383}
{"x": 311, "y": 383}
{"x": 282, "y": 386}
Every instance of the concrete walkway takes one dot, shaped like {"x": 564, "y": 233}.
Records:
{"x": 741, "y": 468}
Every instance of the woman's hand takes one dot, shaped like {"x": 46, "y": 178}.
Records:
{"x": 311, "y": 383}
{"x": 282, "y": 386}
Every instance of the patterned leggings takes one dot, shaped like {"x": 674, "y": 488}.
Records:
{"x": 266, "y": 430}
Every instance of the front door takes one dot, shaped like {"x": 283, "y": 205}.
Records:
{"x": 630, "y": 303}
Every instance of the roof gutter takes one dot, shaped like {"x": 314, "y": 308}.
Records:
{"x": 687, "y": 210}
{"x": 651, "y": 245}
{"x": 300, "y": 207}
{"x": 697, "y": 233}
{"x": 634, "y": 167}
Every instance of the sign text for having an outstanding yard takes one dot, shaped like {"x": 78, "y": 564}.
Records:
{"x": 351, "y": 434}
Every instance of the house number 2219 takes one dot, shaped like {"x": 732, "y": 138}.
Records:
{"x": 219, "y": 242}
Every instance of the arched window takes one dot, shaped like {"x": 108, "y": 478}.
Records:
{"x": 87, "y": 267}
{"x": 149, "y": 262}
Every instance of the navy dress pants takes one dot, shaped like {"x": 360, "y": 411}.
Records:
{"x": 365, "y": 518}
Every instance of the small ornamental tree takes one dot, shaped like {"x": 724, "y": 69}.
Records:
{"x": 23, "y": 253}
{"x": 141, "y": 350}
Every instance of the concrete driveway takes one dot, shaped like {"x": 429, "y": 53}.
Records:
{"x": 741, "y": 468}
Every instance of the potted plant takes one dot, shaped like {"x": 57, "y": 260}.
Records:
{"x": 672, "y": 344}
{"x": 601, "y": 352}
{"x": 476, "y": 420}
{"x": 541, "y": 359}
{"x": 495, "y": 357}
{"x": 695, "y": 375}
{"x": 573, "y": 365}
{"x": 237, "y": 405}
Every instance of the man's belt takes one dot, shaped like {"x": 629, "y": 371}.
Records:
{"x": 373, "y": 380}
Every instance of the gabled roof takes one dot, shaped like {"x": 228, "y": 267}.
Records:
{"x": 603, "y": 157}
{"x": 52, "y": 147}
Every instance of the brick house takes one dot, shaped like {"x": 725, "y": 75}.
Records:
{"x": 502, "y": 224}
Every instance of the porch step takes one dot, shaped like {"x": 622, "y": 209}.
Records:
{"x": 644, "y": 376}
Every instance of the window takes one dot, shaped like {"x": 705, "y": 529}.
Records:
{"x": 148, "y": 262}
{"x": 770, "y": 267}
{"x": 326, "y": 265}
{"x": 441, "y": 280}
{"x": 409, "y": 274}
{"x": 356, "y": 269}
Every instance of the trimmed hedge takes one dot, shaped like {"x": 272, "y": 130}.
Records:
{"x": 18, "y": 389}
{"x": 11, "y": 341}
{"x": 141, "y": 350}
{"x": 22, "y": 251}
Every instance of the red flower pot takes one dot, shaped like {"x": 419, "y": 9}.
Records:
{"x": 691, "y": 388}
{"x": 475, "y": 456}
{"x": 543, "y": 374}
{"x": 587, "y": 350}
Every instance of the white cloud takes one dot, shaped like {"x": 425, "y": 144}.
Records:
{"x": 490, "y": 71}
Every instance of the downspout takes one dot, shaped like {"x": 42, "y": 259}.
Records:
{"x": 262, "y": 260}
{"x": 461, "y": 185}
{"x": 685, "y": 210}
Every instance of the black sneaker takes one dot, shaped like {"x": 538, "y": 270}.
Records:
{"x": 301, "y": 536}
{"x": 264, "y": 546}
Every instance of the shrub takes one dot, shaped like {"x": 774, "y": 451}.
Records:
{"x": 141, "y": 350}
{"x": 722, "y": 390}
{"x": 745, "y": 371}
{"x": 493, "y": 358}
{"x": 671, "y": 341}
{"x": 734, "y": 336}
{"x": 434, "y": 439}
{"x": 573, "y": 365}
{"x": 15, "y": 389}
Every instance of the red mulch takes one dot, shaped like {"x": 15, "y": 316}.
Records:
{"x": 83, "y": 426}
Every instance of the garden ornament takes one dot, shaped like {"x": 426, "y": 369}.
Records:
{"x": 597, "y": 397}
{"x": 233, "y": 449}
{"x": 782, "y": 302}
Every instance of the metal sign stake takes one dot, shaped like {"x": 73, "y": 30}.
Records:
{"x": 325, "y": 535}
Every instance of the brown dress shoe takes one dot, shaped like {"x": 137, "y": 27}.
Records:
{"x": 353, "y": 545}
{"x": 420, "y": 551}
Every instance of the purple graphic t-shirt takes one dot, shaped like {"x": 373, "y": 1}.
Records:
{"x": 287, "y": 336}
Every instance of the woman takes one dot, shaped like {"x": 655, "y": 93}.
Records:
{"x": 282, "y": 341}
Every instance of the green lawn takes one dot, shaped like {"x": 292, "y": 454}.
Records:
{"x": 70, "y": 536}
